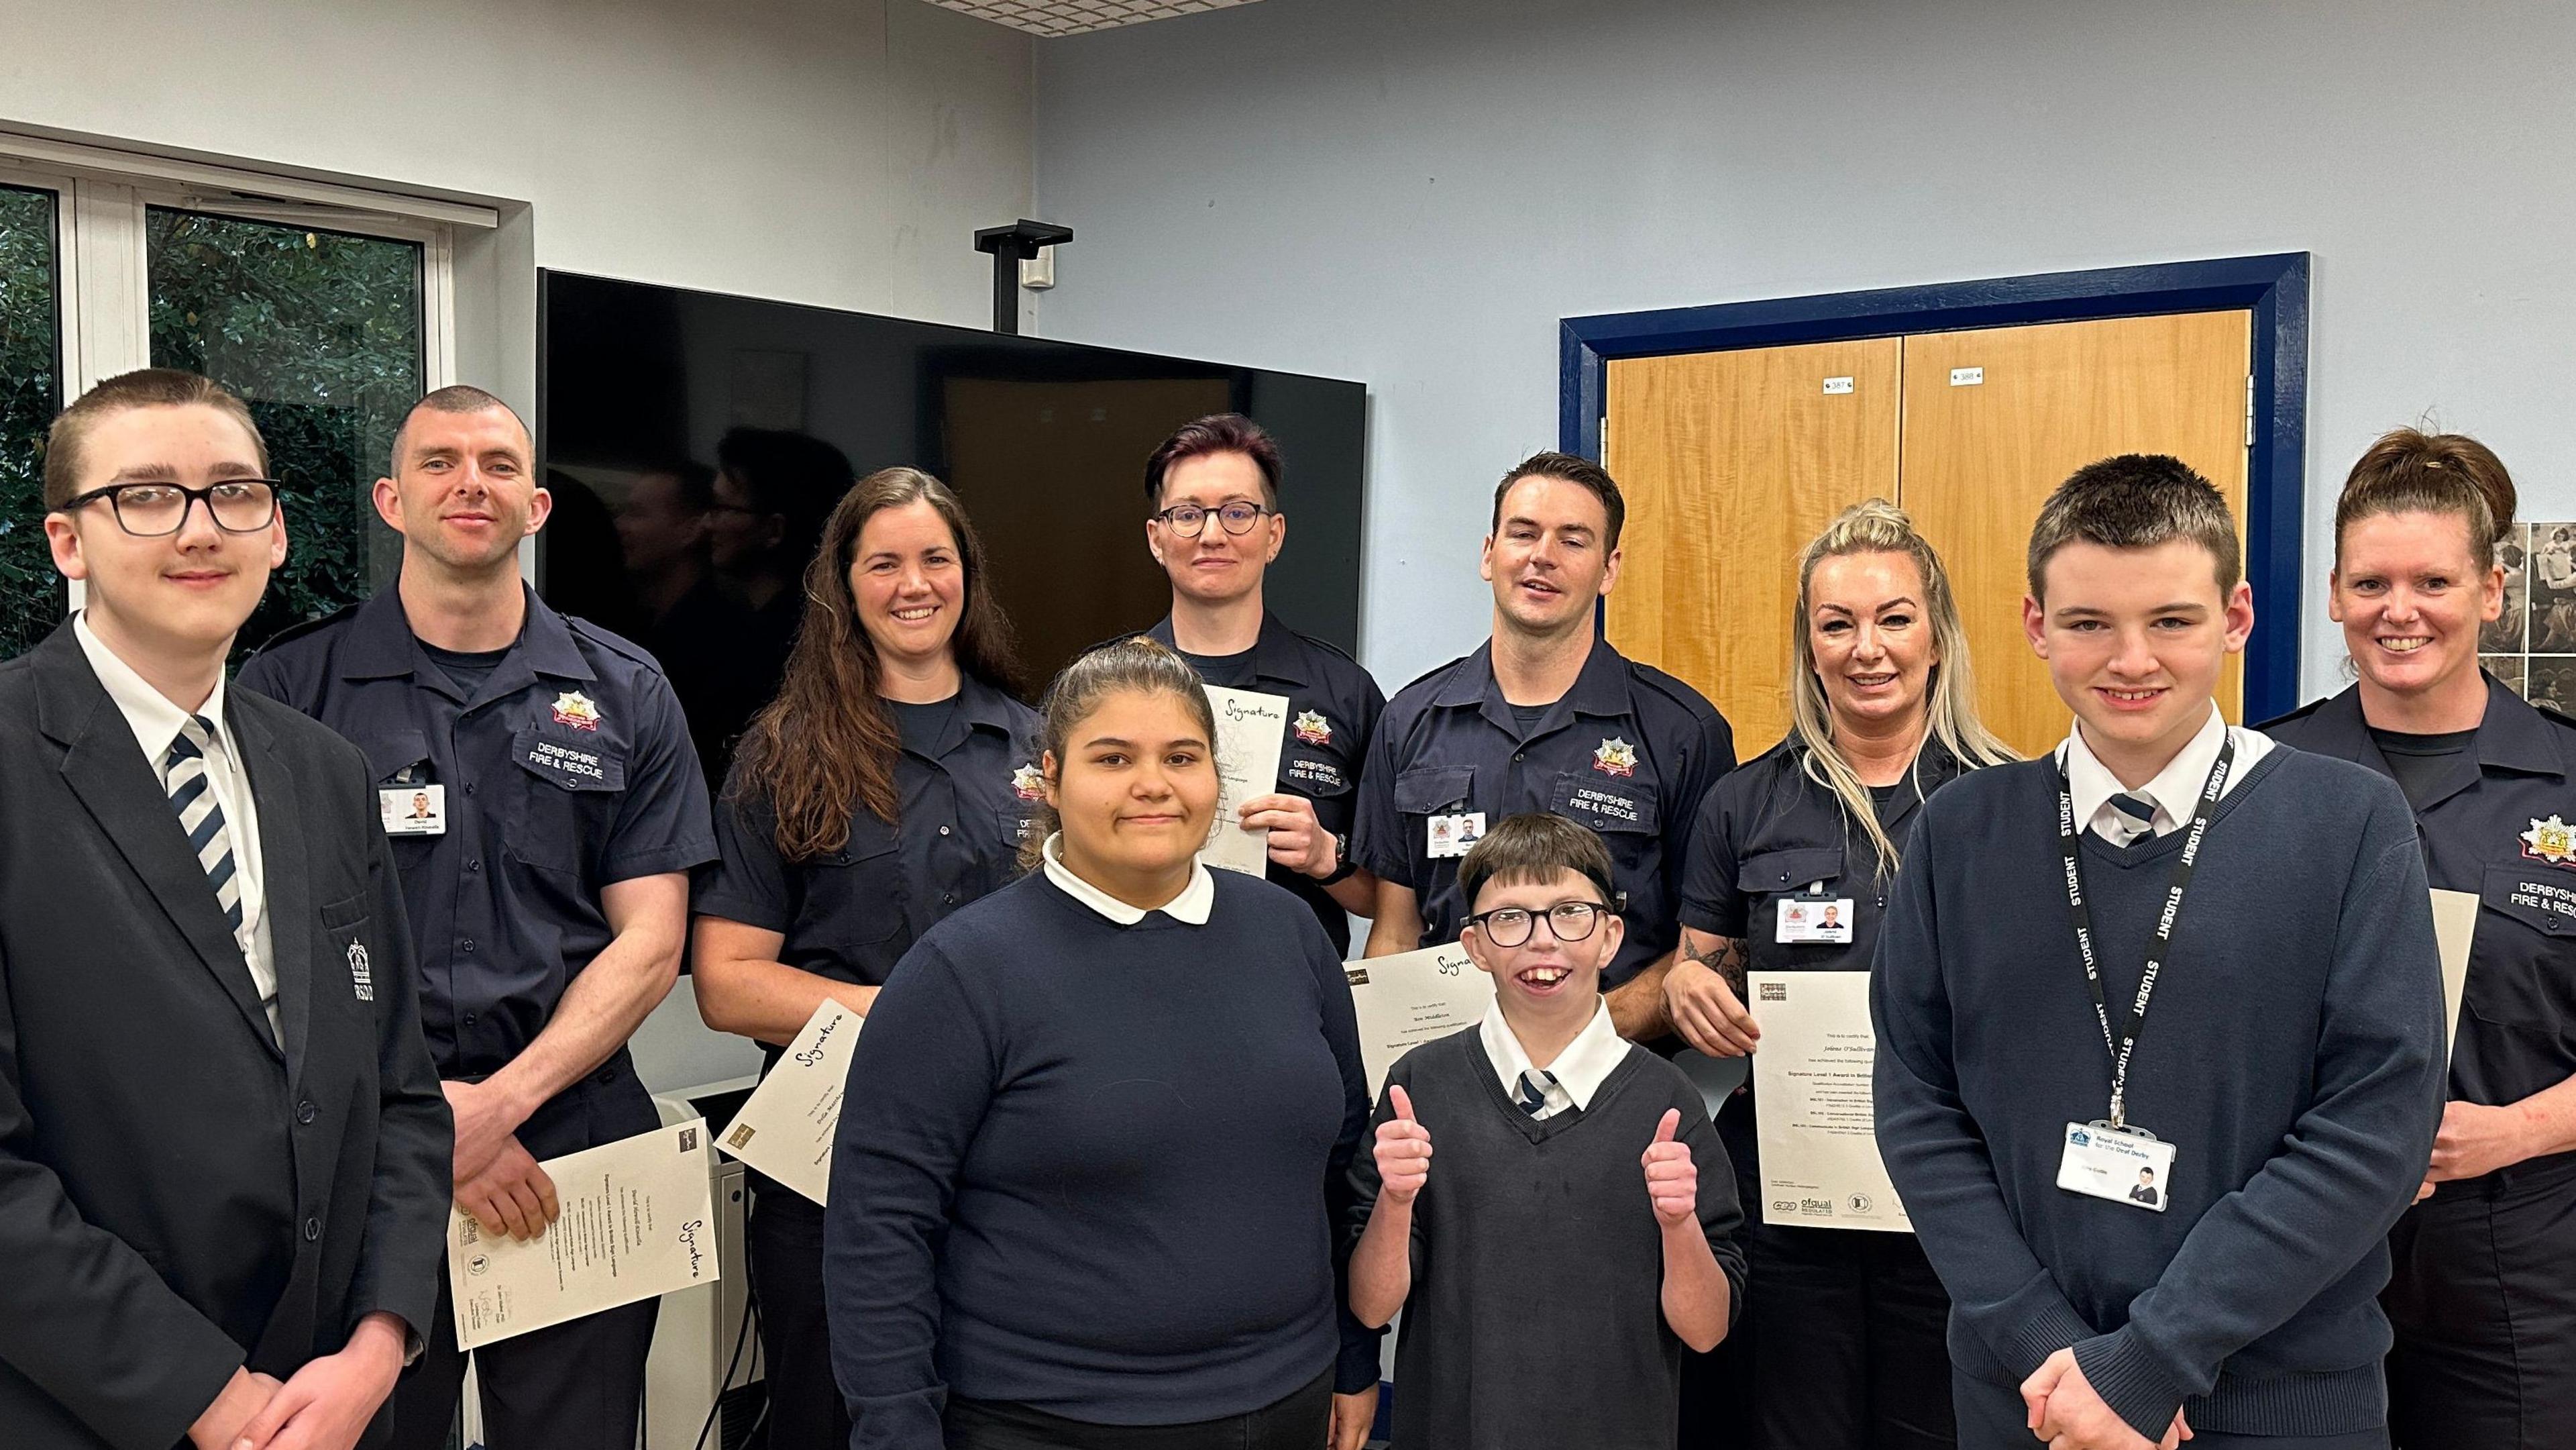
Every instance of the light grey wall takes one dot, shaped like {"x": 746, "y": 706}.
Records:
{"x": 1413, "y": 192}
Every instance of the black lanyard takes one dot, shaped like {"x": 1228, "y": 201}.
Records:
{"x": 2125, "y": 1042}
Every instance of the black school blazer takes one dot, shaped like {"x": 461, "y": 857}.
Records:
{"x": 177, "y": 1196}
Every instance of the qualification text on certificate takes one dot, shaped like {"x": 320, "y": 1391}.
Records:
{"x": 1812, "y": 1104}
{"x": 637, "y": 1223}
{"x": 785, "y": 1127}
{"x": 1251, "y": 727}
{"x": 1410, "y": 998}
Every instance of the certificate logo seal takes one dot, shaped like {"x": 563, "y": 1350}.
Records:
{"x": 1313, "y": 729}
{"x": 575, "y": 709}
{"x": 1615, "y": 757}
{"x": 2552, "y": 840}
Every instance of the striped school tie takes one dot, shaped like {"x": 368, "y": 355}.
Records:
{"x": 200, "y": 816}
{"x": 2135, "y": 814}
{"x": 1533, "y": 1094}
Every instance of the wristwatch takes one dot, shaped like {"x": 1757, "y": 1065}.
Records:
{"x": 1343, "y": 866}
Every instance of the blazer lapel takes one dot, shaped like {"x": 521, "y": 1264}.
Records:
{"x": 286, "y": 880}
{"x": 106, "y": 769}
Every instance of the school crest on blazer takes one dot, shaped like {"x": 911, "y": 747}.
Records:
{"x": 361, "y": 977}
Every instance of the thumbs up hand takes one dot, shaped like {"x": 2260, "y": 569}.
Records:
{"x": 1672, "y": 1179}
{"x": 1403, "y": 1151}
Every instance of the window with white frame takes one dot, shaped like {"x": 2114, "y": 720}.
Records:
{"x": 327, "y": 307}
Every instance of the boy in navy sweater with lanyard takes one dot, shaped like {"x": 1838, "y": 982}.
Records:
{"x": 2264, "y": 911}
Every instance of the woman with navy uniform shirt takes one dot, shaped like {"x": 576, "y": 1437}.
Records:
{"x": 2483, "y": 1295}
{"x": 1790, "y": 865}
{"x": 889, "y": 784}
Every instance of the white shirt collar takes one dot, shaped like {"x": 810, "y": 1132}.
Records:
{"x": 148, "y": 713}
{"x": 1579, "y": 1070}
{"x": 2174, "y": 789}
{"x": 1192, "y": 906}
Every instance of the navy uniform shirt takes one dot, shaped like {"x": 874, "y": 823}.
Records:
{"x": 2501, "y": 824}
{"x": 967, "y": 801}
{"x": 1333, "y": 708}
{"x": 567, "y": 770}
{"x": 1769, "y": 832}
{"x": 1629, "y": 751}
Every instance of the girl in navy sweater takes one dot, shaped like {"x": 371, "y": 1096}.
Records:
{"x": 1080, "y": 1192}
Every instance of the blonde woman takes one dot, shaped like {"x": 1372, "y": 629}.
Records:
{"x": 1789, "y": 870}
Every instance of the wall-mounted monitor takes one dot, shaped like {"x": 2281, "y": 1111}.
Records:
{"x": 1044, "y": 441}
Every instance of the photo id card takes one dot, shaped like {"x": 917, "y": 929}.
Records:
{"x": 1452, "y": 835}
{"x": 413, "y": 810}
{"x": 2123, "y": 1165}
{"x": 1815, "y": 919}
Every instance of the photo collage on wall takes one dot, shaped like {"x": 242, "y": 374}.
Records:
{"x": 2532, "y": 645}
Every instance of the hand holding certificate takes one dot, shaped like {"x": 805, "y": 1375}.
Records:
{"x": 1410, "y": 998}
{"x": 785, "y": 1128}
{"x": 1251, "y": 728}
{"x": 1813, "y": 1106}
{"x": 637, "y": 1223}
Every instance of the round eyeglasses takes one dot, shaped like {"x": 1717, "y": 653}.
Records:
{"x": 1567, "y": 921}
{"x": 1188, "y": 519}
{"x": 157, "y": 510}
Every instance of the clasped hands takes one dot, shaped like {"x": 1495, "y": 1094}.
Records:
{"x": 2065, "y": 1413}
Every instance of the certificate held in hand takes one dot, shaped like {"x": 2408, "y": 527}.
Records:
{"x": 1251, "y": 729}
{"x": 637, "y": 1223}
{"x": 785, "y": 1127}
{"x": 1410, "y": 998}
{"x": 1813, "y": 1105}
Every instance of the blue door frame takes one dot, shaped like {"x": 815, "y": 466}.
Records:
{"x": 2274, "y": 288}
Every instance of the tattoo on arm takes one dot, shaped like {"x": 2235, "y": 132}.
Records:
{"x": 1728, "y": 960}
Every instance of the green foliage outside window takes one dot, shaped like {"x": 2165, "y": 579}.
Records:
{"x": 31, "y": 593}
{"x": 321, "y": 333}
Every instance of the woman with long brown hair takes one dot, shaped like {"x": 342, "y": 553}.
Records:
{"x": 888, "y": 784}
{"x": 2482, "y": 1291}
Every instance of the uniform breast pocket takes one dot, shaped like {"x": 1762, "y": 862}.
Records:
{"x": 854, "y": 897}
{"x": 1785, "y": 872}
{"x": 347, "y": 970}
{"x": 569, "y": 790}
{"x": 1429, "y": 790}
{"x": 2526, "y": 921}
{"x": 1622, "y": 809}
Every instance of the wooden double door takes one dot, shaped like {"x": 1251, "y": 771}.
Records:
{"x": 1732, "y": 461}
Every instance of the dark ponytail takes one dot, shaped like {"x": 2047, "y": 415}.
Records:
{"x": 2410, "y": 471}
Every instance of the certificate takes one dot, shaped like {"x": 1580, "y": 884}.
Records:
{"x": 785, "y": 1127}
{"x": 2455, "y": 921}
{"x": 1812, "y": 1104}
{"x": 637, "y": 1223}
{"x": 1250, "y": 728}
{"x": 1410, "y": 998}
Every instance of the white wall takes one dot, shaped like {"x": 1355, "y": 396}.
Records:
{"x": 827, "y": 151}
{"x": 1413, "y": 192}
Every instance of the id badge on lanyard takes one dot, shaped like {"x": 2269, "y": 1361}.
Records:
{"x": 2111, "y": 1158}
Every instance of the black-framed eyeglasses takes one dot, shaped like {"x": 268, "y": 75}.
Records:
{"x": 157, "y": 510}
{"x": 1188, "y": 519}
{"x": 1567, "y": 921}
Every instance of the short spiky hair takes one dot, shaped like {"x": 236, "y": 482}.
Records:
{"x": 1215, "y": 433}
{"x": 2136, "y": 501}
{"x": 1535, "y": 846}
{"x": 455, "y": 398}
{"x": 1582, "y": 472}
{"x": 142, "y": 388}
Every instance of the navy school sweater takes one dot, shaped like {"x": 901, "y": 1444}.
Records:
{"x": 1085, "y": 1167}
{"x": 2292, "y": 1051}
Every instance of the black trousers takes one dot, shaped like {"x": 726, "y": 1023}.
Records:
{"x": 1298, "y": 1422}
{"x": 785, "y": 1240}
{"x": 1992, "y": 1417}
{"x": 2483, "y": 1298}
{"x": 574, "y": 1386}
{"x": 1850, "y": 1341}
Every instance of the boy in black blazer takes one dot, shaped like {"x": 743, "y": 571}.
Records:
{"x": 223, "y": 1149}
